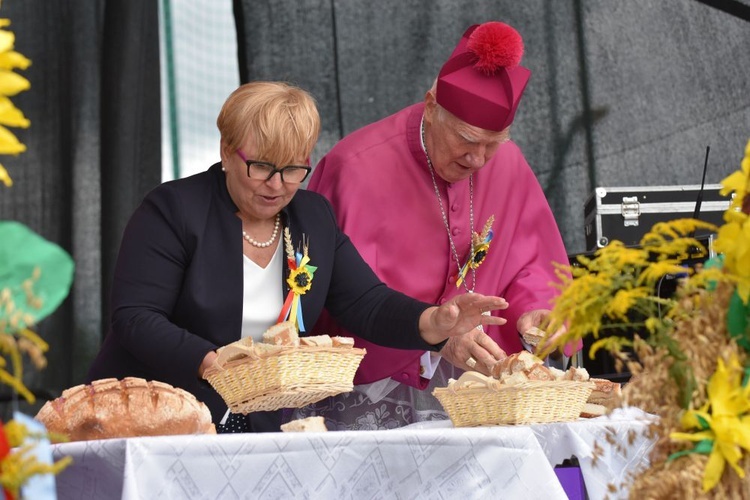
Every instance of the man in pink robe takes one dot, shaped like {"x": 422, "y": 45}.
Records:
{"x": 383, "y": 182}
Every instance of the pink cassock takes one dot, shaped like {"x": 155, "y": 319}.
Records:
{"x": 378, "y": 181}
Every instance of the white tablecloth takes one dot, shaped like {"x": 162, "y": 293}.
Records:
{"x": 609, "y": 449}
{"x": 419, "y": 461}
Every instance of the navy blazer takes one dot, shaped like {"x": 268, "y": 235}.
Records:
{"x": 178, "y": 285}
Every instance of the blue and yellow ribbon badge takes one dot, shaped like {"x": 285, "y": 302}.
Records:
{"x": 480, "y": 246}
{"x": 299, "y": 281}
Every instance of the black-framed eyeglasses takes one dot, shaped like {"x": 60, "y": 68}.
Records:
{"x": 263, "y": 171}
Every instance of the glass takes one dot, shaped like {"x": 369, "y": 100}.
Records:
{"x": 263, "y": 171}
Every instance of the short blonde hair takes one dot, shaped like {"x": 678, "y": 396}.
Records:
{"x": 283, "y": 120}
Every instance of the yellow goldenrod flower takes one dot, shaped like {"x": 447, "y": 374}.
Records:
{"x": 653, "y": 325}
{"x": 624, "y": 301}
{"x": 20, "y": 465}
{"x": 724, "y": 420}
{"x": 16, "y": 433}
{"x": 652, "y": 273}
{"x": 616, "y": 292}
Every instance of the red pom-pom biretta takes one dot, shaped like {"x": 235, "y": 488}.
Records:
{"x": 496, "y": 46}
{"x": 482, "y": 82}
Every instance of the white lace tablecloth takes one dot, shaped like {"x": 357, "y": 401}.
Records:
{"x": 412, "y": 462}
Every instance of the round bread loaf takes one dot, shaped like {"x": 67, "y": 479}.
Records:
{"x": 112, "y": 408}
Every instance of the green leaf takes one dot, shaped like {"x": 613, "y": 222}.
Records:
{"x": 702, "y": 447}
{"x": 737, "y": 321}
{"x": 703, "y": 422}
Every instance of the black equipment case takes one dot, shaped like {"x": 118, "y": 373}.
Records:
{"x": 627, "y": 213}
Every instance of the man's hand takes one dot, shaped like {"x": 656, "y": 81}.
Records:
{"x": 537, "y": 318}
{"x": 476, "y": 346}
{"x": 532, "y": 318}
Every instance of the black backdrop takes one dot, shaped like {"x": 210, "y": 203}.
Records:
{"x": 93, "y": 151}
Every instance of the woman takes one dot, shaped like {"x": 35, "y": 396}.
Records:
{"x": 202, "y": 261}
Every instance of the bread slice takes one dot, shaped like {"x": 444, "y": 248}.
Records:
{"x": 309, "y": 424}
{"x": 605, "y": 392}
{"x": 514, "y": 378}
{"x": 541, "y": 373}
{"x": 533, "y": 336}
{"x": 557, "y": 373}
{"x": 516, "y": 362}
{"x": 284, "y": 333}
{"x": 316, "y": 341}
{"x": 591, "y": 410}
{"x": 342, "y": 341}
{"x": 579, "y": 374}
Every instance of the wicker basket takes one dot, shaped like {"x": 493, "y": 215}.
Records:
{"x": 290, "y": 377}
{"x": 472, "y": 401}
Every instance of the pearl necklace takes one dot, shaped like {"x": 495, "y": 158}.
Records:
{"x": 445, "y": 217}
{"x": 264, "y": 244}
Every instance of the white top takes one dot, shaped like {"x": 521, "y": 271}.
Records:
{"x": 262, "y": 295}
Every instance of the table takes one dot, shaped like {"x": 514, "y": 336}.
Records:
{"x": 427, "y": 460}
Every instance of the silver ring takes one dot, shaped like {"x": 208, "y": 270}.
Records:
{"x": 471, "y": 362}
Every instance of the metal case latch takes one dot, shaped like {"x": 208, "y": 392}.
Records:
{"x": 631, "y": 210}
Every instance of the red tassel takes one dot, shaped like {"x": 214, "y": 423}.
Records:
{"x": 496, "y": 45}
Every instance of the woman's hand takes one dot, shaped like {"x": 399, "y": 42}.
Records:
{"x": 207, "y": 362}
{"x": 459, "y": 315}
